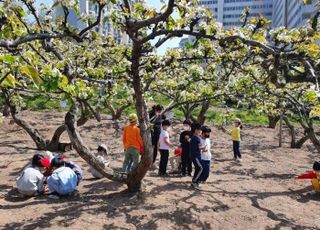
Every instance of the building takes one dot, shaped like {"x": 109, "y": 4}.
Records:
{"x": 292, "y": 13}
{"x": 87, "y": 8}
{"x": 229, "y": 12}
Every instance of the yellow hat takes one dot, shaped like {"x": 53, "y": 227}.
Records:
{"x": 133, "y": 117}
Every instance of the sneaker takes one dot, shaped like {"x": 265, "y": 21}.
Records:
{"x": 239, "y": 159}
{"x": 313, "y": 192}
{"x": 195, "y": 185}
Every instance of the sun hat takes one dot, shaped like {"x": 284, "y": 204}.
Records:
{"x": 133, "y": 117}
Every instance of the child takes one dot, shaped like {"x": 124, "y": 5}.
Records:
{"x": 235, "y": 135}
{"x": 205, "y": 152}
{"x": 185, "y": 136}
{"x": 31, "y": 180}
{"x": 63, "y": 180}
{"x": 101, "y": 152}
{"x": 196, "y": 154}
{"x": 164, "y": 147}
{"x": 316, "y": 181}
{"x": 175, "y": 161}
{"x": 133, "y": 144}
{"x": 73, "y": 166}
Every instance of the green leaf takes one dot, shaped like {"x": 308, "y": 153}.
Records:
{"x": 31, "y": 72}
{"x": 8, "y": 59}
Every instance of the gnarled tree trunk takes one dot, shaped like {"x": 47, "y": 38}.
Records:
{"x": 82, "y": 150}
{"x": 295, "y": 144}
{"x": 272, "y": 121}
{"x": 204, "y": 109}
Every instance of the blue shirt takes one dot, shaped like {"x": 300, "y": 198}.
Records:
{"x": 63, "y": 181}
{"x": 195, "y": 147}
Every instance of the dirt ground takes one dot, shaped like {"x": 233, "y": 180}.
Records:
{"x": 259, "y": 193}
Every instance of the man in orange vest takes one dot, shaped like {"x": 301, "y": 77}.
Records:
{"x": 132, "y": 143}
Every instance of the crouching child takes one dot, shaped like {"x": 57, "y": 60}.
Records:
{"x": 31, "y": 181}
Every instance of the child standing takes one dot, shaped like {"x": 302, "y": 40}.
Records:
{"x": 133, "y": 144}
{"x": 205, "y": 153}
{"x": 31, "y": 180}
{"x": 101, "y": 152}
{"x": 235, "y": 136}
{"x": 195, "y": 152}
{"x": 164, "y": 147}
{"x": 185, "y": 136}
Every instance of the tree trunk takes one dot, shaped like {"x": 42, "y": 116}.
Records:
{"x": 188, "y": 110}
{"x": 292, "y": 132}
{"x": 55, "y": 144}
{"x": 273, "y": 120}
{"x": 6, "y": 110}
{"x": 314, "y": 139}
{"x": 82, "y": 150}
{"x": 295, "y": 144}
{"x": 135, "y": 178}
{"x": 38, "y": 139}
{"x": 202, "y": 115}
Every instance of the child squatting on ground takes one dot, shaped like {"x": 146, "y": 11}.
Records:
{"x": 63, "y": 180}
{"x": 31, "y": 181}
{"x": 196, "y": 154}
{"x": 316, "y": 181}
{"x": 102, "y": 151}
{"x": 132, "y": 143}
{"x": 235, "y": 136}
{"x": 164, "y": 148}
{"x": 175, "y": 161}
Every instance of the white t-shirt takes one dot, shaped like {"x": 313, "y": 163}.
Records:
{"x": 94, "y": 172}
{"x": 162, "y": 144}
{"x": 206, "y": 154}
{"x": 30, "y": 181}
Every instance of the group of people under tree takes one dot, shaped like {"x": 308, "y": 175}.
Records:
{"x": 56, "y": 176}
{"x": 194, "y": 147}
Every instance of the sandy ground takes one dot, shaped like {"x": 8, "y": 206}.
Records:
{"x": 259, "y": 193}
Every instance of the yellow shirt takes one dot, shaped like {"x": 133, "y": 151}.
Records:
{"x": 235, "y": 133}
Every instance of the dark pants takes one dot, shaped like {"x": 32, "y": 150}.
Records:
{"x": 236, "y": 149}
{"x": 206, "y": 170}
{"x": 186, "y": 162}
{"x": 155, "y": 139}
{"x": 164, "y": 155}
{"x": 198, "y": 169}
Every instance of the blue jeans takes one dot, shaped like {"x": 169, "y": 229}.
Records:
{"x": 206, "y": 170}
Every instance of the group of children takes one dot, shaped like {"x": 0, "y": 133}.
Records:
{"x": 54, "y": 175}
{"x": 50, "y": 175}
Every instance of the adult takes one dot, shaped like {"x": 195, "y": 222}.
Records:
{"x": 156, "y": 118}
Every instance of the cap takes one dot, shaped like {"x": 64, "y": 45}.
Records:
{"x": 237, "y": 120}
{"x": 103, "y": 146}
{"x": 45, "y": 162}
{"x": 133, "y": 117}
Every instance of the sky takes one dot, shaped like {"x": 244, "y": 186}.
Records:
{"x": 154, "y": 3}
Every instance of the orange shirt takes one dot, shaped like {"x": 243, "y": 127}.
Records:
{"x": 132, "y": 138}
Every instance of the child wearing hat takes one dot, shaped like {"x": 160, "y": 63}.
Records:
{"x": 235, "y": 136}
{"x": 31, "y": 180}
{"x": 101, "y": 152}
{"x": 132, "y": 143}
